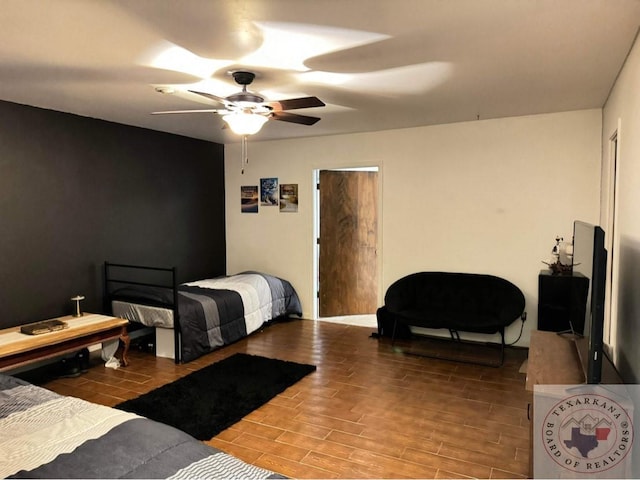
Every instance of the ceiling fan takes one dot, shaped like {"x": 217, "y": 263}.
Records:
{"x": 245, "y": 112}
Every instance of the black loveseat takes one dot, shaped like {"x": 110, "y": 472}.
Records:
{"x": 458, "y": 302}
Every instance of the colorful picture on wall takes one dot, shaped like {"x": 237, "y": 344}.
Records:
{"x": 289, "y": 197}
{"x": 249, "y": 198}
{"x": 269, "y": 192}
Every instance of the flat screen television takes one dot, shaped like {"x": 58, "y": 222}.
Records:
{"x": 590, "y": 259}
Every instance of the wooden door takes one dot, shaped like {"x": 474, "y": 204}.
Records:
{"x": 348, "y": 266}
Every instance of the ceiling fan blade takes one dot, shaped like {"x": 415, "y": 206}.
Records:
{"x": 294, "y": 103}
{"x": 211, "y": 96}
{"x": 294, "y": 118}
{"x": 208, "y": 110}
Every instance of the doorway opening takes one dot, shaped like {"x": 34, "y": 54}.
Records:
{"x": 346, "y": 256}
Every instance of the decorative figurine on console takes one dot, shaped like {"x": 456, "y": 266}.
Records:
{"x": 560, "y": 250}
{"x": 77, "y": 299}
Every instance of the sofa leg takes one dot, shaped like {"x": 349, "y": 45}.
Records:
{"x": 393, "y": 333}
{"x": 502, "y": 345}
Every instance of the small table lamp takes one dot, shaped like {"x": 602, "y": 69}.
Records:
{"x": 77, "y": 299}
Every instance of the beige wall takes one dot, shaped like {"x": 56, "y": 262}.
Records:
{"x": 622, "y": 114}
{"x": 486, "y": 196}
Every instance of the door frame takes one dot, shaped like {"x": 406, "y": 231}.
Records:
{"x": 316, "y": 231}
{"x": 609, "y": 219}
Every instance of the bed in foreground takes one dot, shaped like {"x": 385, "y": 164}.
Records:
{"x": 201, "y": 315}
{"x": 46, "y": 435}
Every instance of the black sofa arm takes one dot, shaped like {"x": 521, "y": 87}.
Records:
{"x": 401, "y": 294}
{"x": 512, "y": 308}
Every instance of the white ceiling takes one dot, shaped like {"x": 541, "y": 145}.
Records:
{"x": 377, "y": 64}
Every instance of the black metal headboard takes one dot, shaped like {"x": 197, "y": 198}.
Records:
{"x": 120, "y": 275}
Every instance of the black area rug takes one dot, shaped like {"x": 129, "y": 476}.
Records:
{"x": 207, "y": 401}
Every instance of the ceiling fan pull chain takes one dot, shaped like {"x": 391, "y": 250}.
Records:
{"x": 245, "y": 153}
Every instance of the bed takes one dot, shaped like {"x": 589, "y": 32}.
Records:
{"x": 46, "y": 435}
{"x": 202, "y": 315}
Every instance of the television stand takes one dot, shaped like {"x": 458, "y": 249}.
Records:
{"x": 554, "y": 360}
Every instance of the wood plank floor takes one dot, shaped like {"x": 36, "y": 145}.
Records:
{"x": 369, "y": 411}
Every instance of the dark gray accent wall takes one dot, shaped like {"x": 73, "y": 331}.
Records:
{"x": 76, "y": 191}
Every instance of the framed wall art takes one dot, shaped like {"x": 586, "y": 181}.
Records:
{"x": 249, "y": 198}
{"x": 289, "y": 197}
{"x": 268, "y": 192}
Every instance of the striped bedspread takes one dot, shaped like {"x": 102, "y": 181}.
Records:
{"x": 46, "y": 435}
{"x": 213, "y": 312}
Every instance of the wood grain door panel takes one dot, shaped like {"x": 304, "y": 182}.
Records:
{"x": 348, "y": 263}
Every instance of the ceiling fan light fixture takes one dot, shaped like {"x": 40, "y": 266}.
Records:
{"x": 245, "y": 123}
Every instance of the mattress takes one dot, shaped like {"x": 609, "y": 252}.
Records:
{"x": 147, "y": 315}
